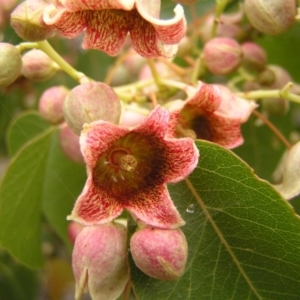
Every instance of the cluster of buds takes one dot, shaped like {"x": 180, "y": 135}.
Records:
{"x": 132, "y": 150}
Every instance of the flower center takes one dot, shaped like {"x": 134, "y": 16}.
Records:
{"x": 120, "y": 158}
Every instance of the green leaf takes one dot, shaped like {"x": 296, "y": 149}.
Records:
{"x": 20, "y": 196}
{"x": 17, "y": 282}
{"x": 63, "y": 182}
{"x": 59, "y": 188}
{"x": 23, "y": 128}
{"x": 244, "y": 239}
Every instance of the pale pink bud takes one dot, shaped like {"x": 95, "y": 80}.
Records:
{"x": 10, "y": 64}
{"x": 228, "y": 26}
{"x": 91, "y": 102}
{"x": 73, "y": 230}
{"x": 27, "y": 21}
{"x": 69, "y": 142}
{"x": 131, "y": 118}
{"x": 38, "y": 66}
{"x": 100, "y": 261}
{"x": 134, "y": 63}
{"x": 222, "y": 55}
{"x": 271, "y": 17}
{"x": 160, "y": 253}
{"x": 254, "y": 56}
{"x": 51, "y": 104}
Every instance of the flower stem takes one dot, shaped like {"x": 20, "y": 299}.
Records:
{"x": 47, "y": 48}
{"x": 273, "y": 128}
{"x": 221, "y": 4}
{"x": 154, "y": 72}
{"x": 283, "y": 94}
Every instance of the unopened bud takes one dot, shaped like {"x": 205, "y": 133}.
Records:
{"x": 160, "y": 253}
{"x": 69, "y": 142}
{"x": 271, "y": 17}
{"x": 254, "y": 56}
{"x": 10, "y": 64}
{"x": 73, "y": 230}
{"x": 100, "y": 261}
{"x": 91, "y": 102}
{"x": 51, "y": 104}
{"x": 27, "y": 21}
{"x": 222, "y": 55}
{"x": 38, "y": 66}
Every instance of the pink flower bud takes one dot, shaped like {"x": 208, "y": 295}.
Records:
{"x": 254, "y": 56}
{"x": 91, "y": 102}
{"x": 69, "y": 142}
{"x": 38, "y": 66}
{"x": 51, "y": 104}
{"x": 131, "y": 118}
{"x": 271, "y": 17}
{"x": 222, "y": 55}
{"x": 134, "y": 63}
{"x": 100, "y": 261}
{"x": 27, "y": 21}
{"x": 160, "y": 253}
{"x": 10, "y": 64}
{"x": 73, "y": 230}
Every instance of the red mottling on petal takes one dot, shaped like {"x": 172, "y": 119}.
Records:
{"x": 140, "y": 188}
{"x": 154, "y": 207}
{"x": 70, "y": 24}
{"x": 106, "y": 30}
{"x": 96, "y": 138}
{"x": 181, "y": 159}
{"x": 93, "y": 207}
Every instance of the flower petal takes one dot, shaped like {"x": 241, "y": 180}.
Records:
{"x": 93, "y": 207}
{"x": 145, "y": 41}
{"x": 182, "y": 159}
{"x": 168, "y": 31}
{"x": 155, "y": 124}
{"x": 76, "y": 5}
{"x": 70, "y": 24}
{"x": 206, "y": 97}
{"x": 96, "y": 138}
{"x": 223, "y": 131}
{"x": 155, "y": 208}
{"x": 106, "y": 30}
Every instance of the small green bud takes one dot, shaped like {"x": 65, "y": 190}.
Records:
{"x": 10, "y": 64}
{"x": 27, "y": 21}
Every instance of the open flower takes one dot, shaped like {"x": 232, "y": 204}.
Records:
{"x": 212, "y": 113}
{"x": 107, "y": 24}
{"x": 129, "y": 169}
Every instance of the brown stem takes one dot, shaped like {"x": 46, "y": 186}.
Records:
{"x": 273, "y": 128}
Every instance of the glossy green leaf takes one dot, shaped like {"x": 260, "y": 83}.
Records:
{"x": 244, "y": 239}
{"x": 20, "y": 201}
{"x": 23, "y": 128}
{"x": 63, "y": 183}
{"x": 62, "y": 179}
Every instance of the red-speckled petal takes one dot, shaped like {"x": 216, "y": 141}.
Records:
{"x": 96, "y": 138}
{"x": 94, "y": 207}
{"x": 70, "y": 24}
{"x": 182, "y": 159}
{"x": 207, "y": 97}
{"x": 155, "y": 124}
{"x": 225, "y": 131}
{"x": 145, "y": 41}
{"x": 107, "y": 30}
{"x": 155, "y": 208}
{"x": 168, "y": 31}
{"x": 76, "y": 5}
